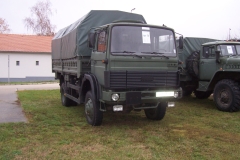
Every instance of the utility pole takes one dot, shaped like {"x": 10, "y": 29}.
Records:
{"x": 229, "y": 34}
{"x": 8, "y": 68}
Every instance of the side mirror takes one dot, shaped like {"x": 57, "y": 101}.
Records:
{"x": 217, "y": 56}
{"x": 91, "y": 40}
{"x": 180, "y": 46}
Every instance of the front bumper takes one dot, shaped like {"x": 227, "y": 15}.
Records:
{"x": 140, "y": 97}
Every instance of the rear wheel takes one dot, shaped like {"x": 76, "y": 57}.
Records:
{"x": 202, "y": 95}
{"x": 65, "y": 100}
{"x": 156, "y": 113}
{"x": 227, "y": 95}
{"x": 92, "y": 110}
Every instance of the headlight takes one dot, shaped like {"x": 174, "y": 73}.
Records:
{"x": 115, "y": 97}
{"x": 175, "y": 94}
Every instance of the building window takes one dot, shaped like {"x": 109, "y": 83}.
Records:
{"x": 17, "y": 63}
{"x": 37, "y": 63}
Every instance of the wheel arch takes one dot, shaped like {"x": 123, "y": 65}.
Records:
{"x": 220, "y": 75}
{"x": 89, "y": 82}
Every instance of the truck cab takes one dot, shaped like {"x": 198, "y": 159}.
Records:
{"x": 135, "y": 65}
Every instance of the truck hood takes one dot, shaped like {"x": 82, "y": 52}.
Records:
{"x": 143, "y": 64}
{"x": 230, "y": 60}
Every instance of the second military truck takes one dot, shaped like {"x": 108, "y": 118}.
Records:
{"x": 114, "y": 61}
{"x": 211, "y": 66}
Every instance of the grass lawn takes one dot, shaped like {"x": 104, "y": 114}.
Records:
{"x": 194, "y": 129}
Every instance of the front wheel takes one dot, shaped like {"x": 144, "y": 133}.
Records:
{"x": 92, "y": 110}
{"x": 156, "y": 113}
{"x": 227, "y": 95}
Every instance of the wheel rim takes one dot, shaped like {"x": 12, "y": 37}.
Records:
{"x": 89, "y": 109}
{"x": 224, "y": 97}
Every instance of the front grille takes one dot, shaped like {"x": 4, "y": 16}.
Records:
{"x": 135, "y": 79}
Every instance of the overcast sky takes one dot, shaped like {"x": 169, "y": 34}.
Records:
{"x": 192, "y": 18}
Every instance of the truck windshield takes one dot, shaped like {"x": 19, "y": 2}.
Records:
{"x": 142, "y": 40}
{"x": 228, "y": 50}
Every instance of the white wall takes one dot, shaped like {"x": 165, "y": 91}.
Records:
{"x": 3, "y": 65}
{"x": 27, "y": 67}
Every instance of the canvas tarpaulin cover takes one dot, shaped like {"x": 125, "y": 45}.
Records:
{"x": 72, "y": 41}
{"x": 191, "y": 44}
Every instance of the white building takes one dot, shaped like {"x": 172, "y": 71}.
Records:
{"x": 25, "y": 58}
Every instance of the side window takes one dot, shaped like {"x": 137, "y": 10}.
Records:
{"x": 208, "y": 52}
{"x": 101, "y": 47}
{"x": 222, "y": 50}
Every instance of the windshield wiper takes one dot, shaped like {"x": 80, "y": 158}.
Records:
{"x": 157, "y": 53}
{"x": 153, "y": 52}
{"x": 232, "y": 55}
{"x": 123, "y": 52}
{"x": 229, "y": 55}
{"x": 131, "y": 52}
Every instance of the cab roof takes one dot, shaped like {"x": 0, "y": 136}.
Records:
{"x": 220, "y": 43}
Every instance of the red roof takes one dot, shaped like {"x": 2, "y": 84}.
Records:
{"x": 25, "y": 43}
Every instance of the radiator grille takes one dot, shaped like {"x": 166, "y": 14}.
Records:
{"x": 135, "y": 79}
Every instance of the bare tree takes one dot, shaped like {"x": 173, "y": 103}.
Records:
{"x": 237, "y": 36}
{"x": 40, "y": 23}
{"x": 4, "y": 27}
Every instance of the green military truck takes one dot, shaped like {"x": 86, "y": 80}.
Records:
{"x": 211, "y": 66}
{"x": 114, "y": 61}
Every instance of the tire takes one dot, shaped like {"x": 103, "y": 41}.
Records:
{"x": 65, "y": 100}
{"x": 156, "y": 113}
{"x": 92, "y": 110}
{"x": 193, "y": 64}
{"x": 73, "y": 103}
{"x": 227, "y": 95}
{"x": 202, "y": 95}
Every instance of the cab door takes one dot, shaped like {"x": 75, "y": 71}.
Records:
{"x": 98, "y": 66}
{"x": 207, "y": 64}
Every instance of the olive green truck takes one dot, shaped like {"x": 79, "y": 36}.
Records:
{"x": 211, "y": 66}
{"x": 114, "y": 61}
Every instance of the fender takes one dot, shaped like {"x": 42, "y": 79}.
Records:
{"x": 93, "y": 84}
{"x": 219, "y": 75}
